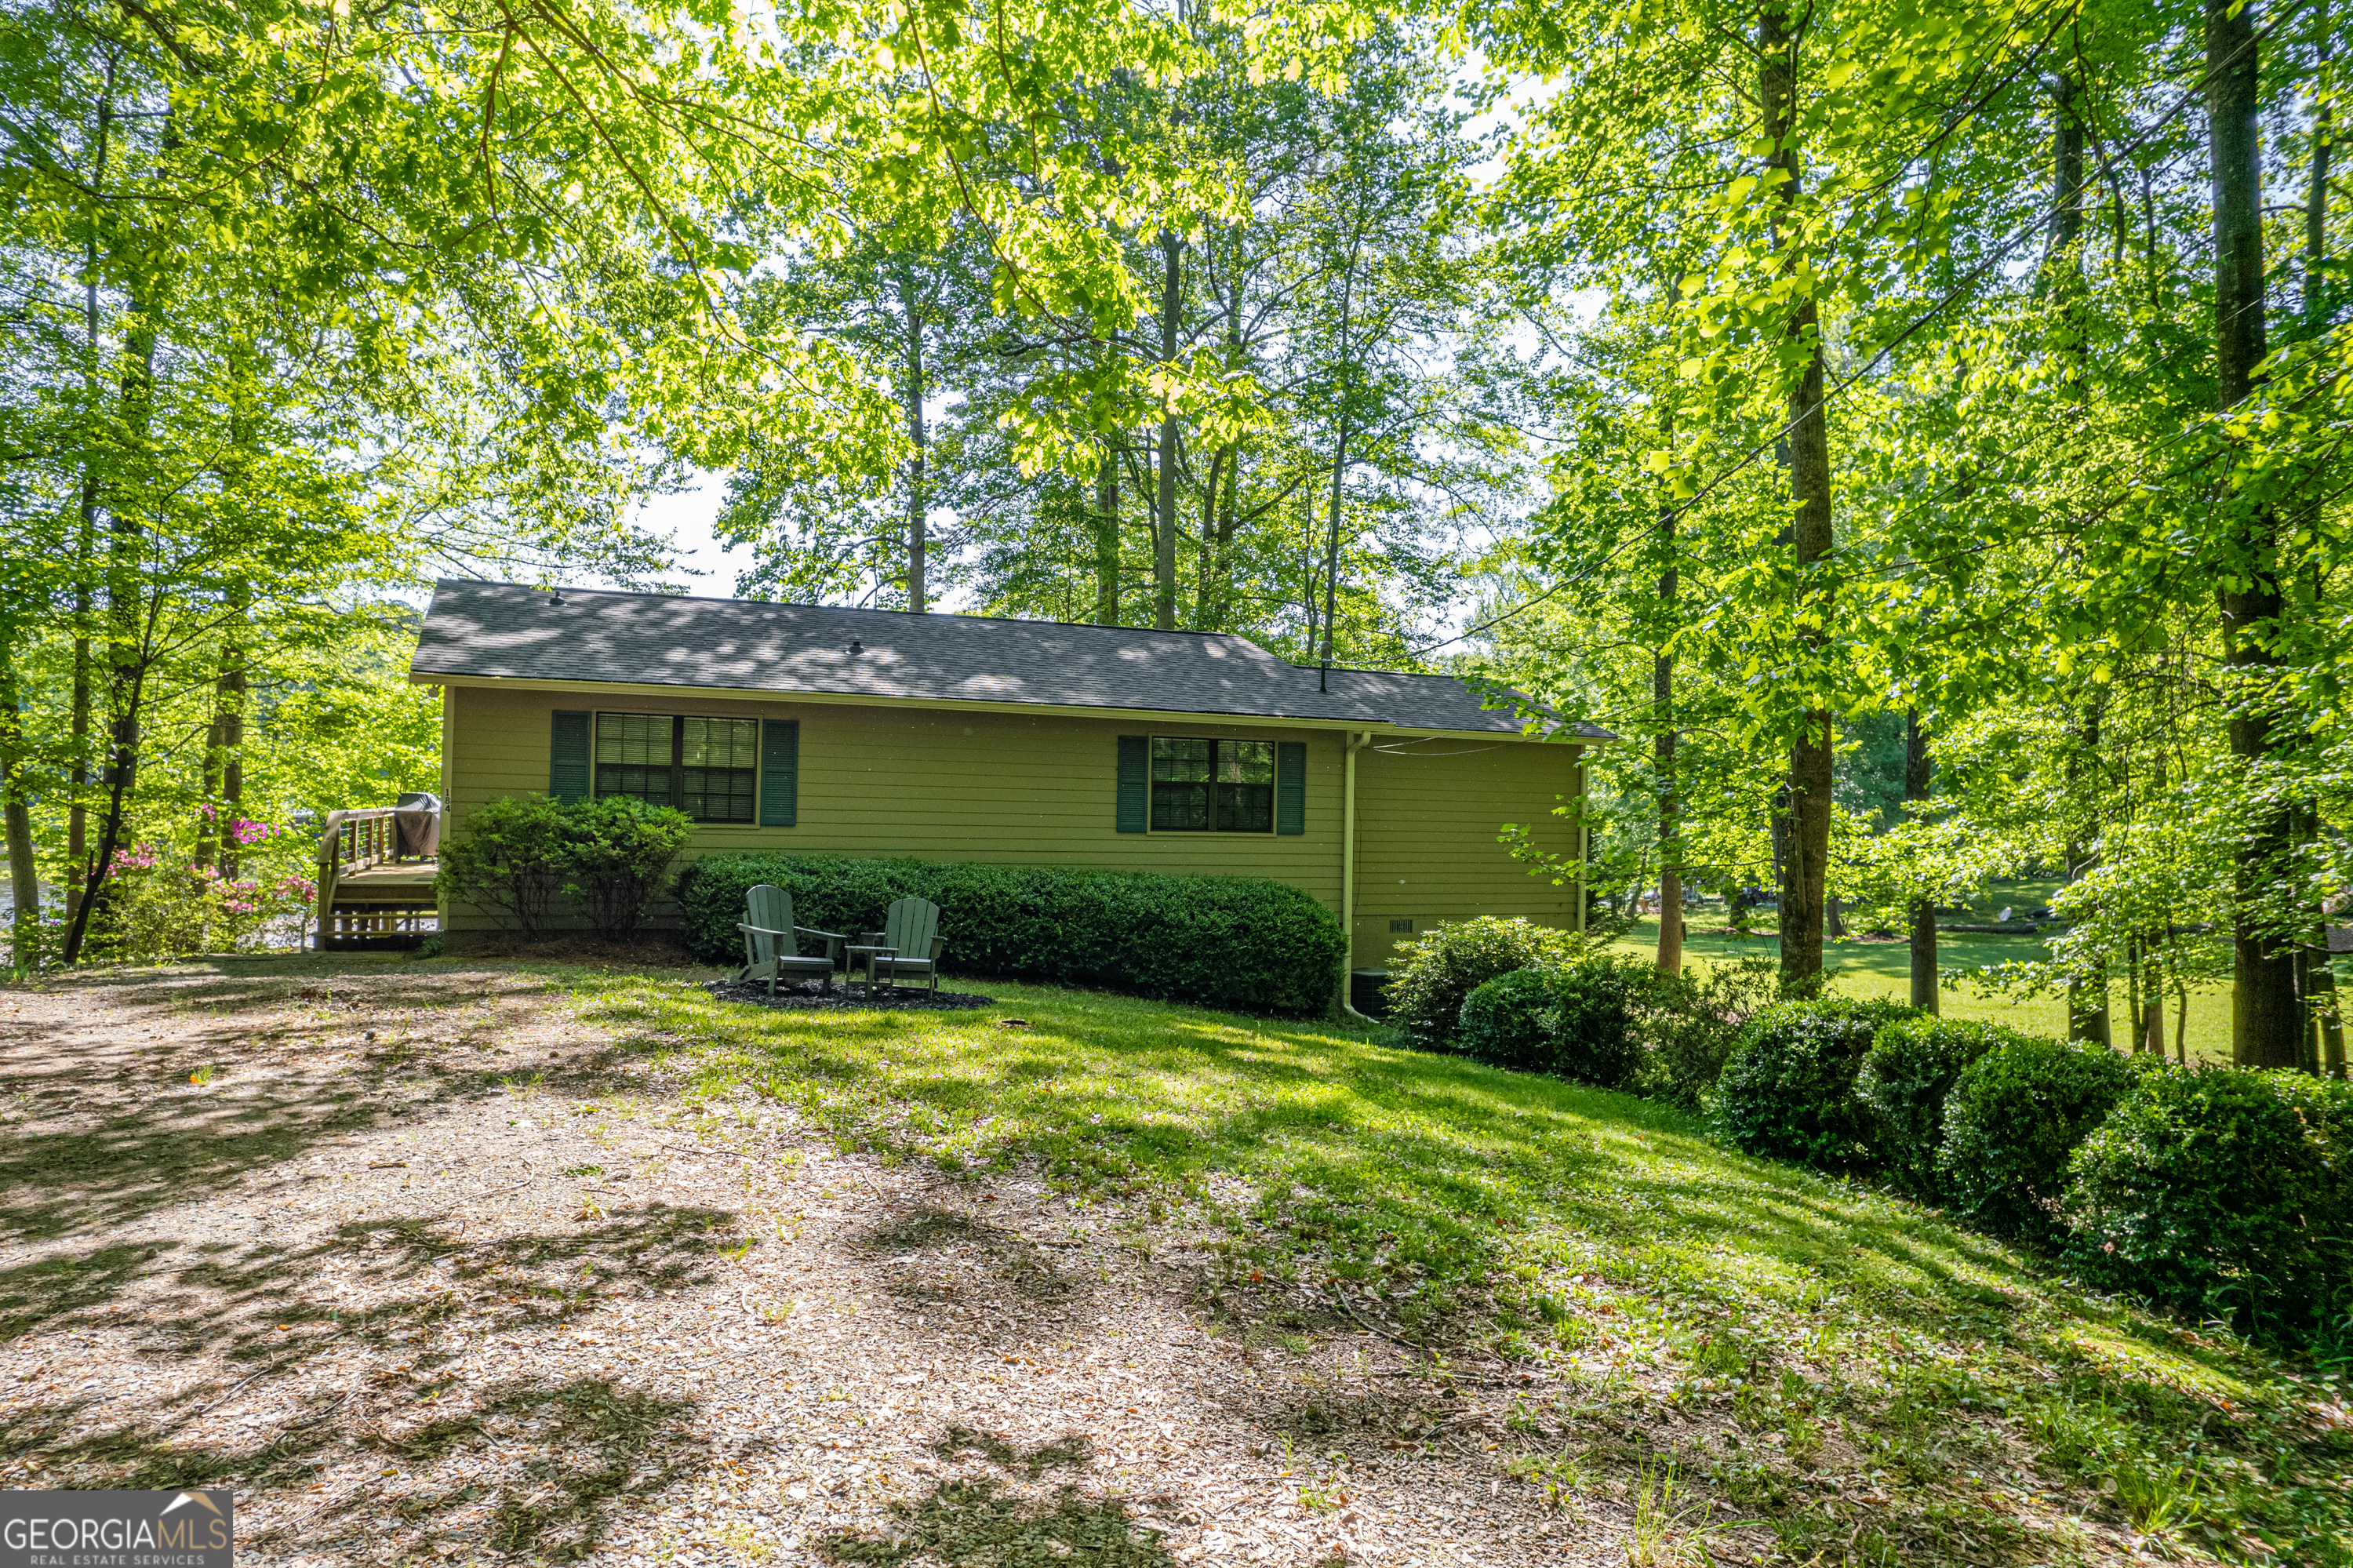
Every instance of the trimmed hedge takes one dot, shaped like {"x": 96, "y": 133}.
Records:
{"x": 1432, "y": 976}
{"x": 2015, "y": 1116}
{"x": 1229, "y": 941}
{"x": 2213, "y": 1191}
{"x": 1789, "y": 1090}
{"x": 1902, "y": 1085}
{"x": 1575, "y": 1021}
{"x": 1506, "y": 1021}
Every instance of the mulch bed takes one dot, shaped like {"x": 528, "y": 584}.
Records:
{"x": 809, "y": 996}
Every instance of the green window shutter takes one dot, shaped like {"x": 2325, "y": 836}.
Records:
{"x": 780, "y": 773}
{"x": 1134, "y": 782}
{"x": 567, "y": 757}
{"x": 1291, "y": 787}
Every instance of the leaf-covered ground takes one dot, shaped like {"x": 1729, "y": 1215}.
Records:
{"x": 522, "y": 1262}
{"x": 1728, "y": 1339}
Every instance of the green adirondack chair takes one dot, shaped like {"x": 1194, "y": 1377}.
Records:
{"x": 912, "y": 925}
{"x": 771, "y": 945}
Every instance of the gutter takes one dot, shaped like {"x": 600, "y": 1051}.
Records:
{"x": 665, "y": 691}
{"x": 1356, "y": 742}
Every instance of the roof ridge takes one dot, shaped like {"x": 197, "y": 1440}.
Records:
{"x": 527, "y": 632}
{"x": 872, "y": 609}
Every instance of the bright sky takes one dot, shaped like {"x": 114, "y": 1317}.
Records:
{"x": 686, "y": 517}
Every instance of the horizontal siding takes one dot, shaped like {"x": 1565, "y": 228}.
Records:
{"x": 1009, "y": 789}
{"x": 1428, "y": 817}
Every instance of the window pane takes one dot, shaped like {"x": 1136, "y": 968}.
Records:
{"x": 1245, "y": 772}
{"x": 633, "y": 756}
{"x": 1180, "y": 784}
{"x": 637, "y": 740}
{"x": 720, "y": 794}
{"x": 720, "y": 743}
{"x": 650, "y": 785}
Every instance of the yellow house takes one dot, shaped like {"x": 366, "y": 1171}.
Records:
{"x": 949, "y": 737}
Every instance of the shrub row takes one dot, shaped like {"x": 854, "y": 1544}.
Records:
{"x": 1533, "y": 999}
{"x": 2215, "y": 1191}
{"x": 1238, "y": 942}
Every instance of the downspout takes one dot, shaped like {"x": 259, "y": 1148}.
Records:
{"x": 1348, "y": 872}
{"x": 1584, "y": 836}
{"x": 448, "y": 794}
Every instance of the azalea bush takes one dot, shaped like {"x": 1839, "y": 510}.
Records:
{"x": 163, "y": 898}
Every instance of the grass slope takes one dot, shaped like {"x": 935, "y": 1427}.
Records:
{"x": 1723, "y": 1338}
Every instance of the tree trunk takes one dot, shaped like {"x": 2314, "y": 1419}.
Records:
{"x": 918, "y": 479}
{"x": 1805, "y": 877}
{"x": 1107, "y": 537}
{"x": 16, "y": 823}
{"x": 1339, "y": 473}
{"x": 1919, "y": 779}
{"x": 2266, "y": 1020}
{"x": 2088, "y": 1015}
{"x": 1663, "y": 698}
{"x": 131, "y": 621}
{"x": 1205, "y": 566}
{"x": 77, "y": 808}
{"x": 2316, "y": 198}
{"x": 2321, "y": 967}
{"x": 1163, "y": 527}
{"x": 2059, "y": 257}
{"x": 1227, "y": 529}
{"x": 228, "y": 707}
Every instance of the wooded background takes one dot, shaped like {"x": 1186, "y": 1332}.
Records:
{"x": 1918, "y": 430}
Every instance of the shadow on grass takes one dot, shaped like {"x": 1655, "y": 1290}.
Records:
{"x": 1397, "y": 1163}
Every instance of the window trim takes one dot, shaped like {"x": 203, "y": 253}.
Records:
{"x": 677, "y": 767}
{"x": 1273, "y": 786}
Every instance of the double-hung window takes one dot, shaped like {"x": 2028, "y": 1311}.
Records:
{"x": 707, "y": 768}
{"x": 1212, "y": 786}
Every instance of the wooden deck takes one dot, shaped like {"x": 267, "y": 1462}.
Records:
{"x": 368, "y": 899}
{"x": 404, "y": 879}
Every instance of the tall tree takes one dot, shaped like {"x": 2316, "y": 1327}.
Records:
{"x": 2267, "y": 1019}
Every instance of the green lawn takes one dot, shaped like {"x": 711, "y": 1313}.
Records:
{"x": 1863, "y": 968}
{"x": 1863, "y": 1381}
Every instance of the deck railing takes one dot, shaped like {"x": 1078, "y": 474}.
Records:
{"x": 351, "y": 842}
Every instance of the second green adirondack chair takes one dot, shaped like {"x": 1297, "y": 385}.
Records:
{"x": 770, "y": 945}
{"x": 913, "y": 927}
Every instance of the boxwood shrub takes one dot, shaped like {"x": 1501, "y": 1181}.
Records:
{"x": 1574, "y": 1021}
{"x": 1240, "y": 942}
{"x": 1787, "y": 1091}
{"x": 2213, "y": 1191}
{"x": 2014, "y": 1117}
{"x": 1432, "y": 976}
{"x": 1506, "y": 1021}
{"x": 1910, "y": 1067}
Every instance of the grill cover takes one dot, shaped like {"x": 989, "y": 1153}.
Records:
{"x": 416, "y": 822}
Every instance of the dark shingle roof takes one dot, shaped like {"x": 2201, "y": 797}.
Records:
{"x": 520, "y": 634}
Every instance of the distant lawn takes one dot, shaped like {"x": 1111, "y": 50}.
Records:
{"x": 1884, "y": 969}
{"x": 1860, "y": 1380}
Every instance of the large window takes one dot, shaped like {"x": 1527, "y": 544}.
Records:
{"x": 1212, "y": 786}
{"x": 707, "y": 768}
